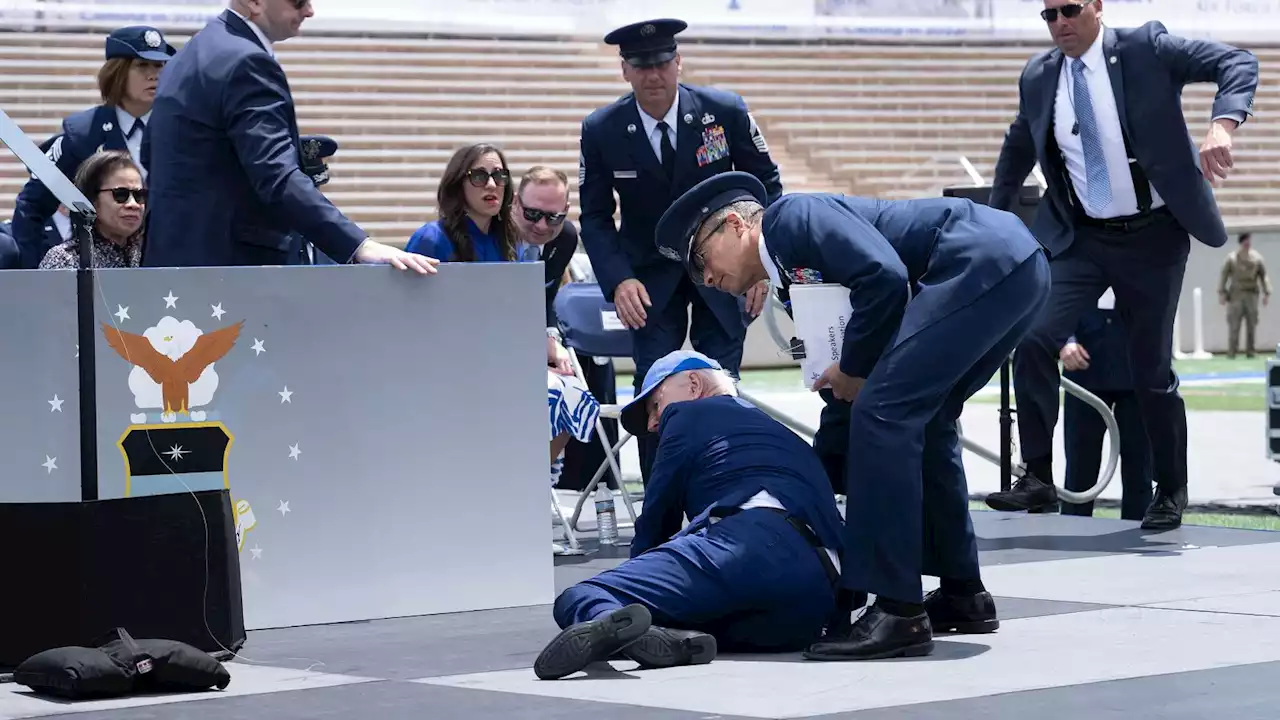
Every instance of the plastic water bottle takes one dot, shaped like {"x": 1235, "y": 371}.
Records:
{"x": 606, "y": 518}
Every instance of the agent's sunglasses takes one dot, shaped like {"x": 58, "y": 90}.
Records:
{"x": 533, "y": 215}
{"x": 480, "y": 177}
{"x": 121, "y": 194}
{"x": 1069, "y": 12}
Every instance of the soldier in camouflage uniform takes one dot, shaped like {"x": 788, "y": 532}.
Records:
{"x": 1243, "y": 279}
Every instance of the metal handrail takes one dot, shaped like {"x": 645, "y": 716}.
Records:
{"x": 1093, "y": 401}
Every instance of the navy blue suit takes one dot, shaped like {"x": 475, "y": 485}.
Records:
{"x": 941, "y": 290}
{"x": 1102, "y": 334}
{"x": 1143, "y": 258}
{"x": 224, "y": 158}
{"x": 83, "y": 134}
{"x": 751, "y": 579}
{"x": 617, "y": 156}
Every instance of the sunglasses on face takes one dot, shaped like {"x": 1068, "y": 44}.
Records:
{"x": 533, "y": 215}
{"x": 480, "y": 177}
{"x": 1067, "y": 11}
{"x": 121, "y": 194}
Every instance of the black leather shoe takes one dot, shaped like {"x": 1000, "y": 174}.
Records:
{"x": 577, "y": 646}
{"x": 1028, "y": 493}
{"x": 965, "y": 614}
{"x": 1165, "y": 511}
{"x": 877, "y": 635}
{"x": 661, "y": 647}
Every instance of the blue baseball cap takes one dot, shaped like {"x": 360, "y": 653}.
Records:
{"x": 139, "y": 41}
{"x": 675, "y": 230}
{"x": 635, "y": 418}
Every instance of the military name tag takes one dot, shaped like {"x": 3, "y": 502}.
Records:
{"x": 624, "y": 174}
{"x": 714, "y": 146}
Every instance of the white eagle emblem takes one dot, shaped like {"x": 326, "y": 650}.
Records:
{"x": 152, "y": 39}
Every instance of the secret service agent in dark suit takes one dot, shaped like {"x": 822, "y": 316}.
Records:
{"x": 650, "y": 146}
{"x": 941, "y": 291}
{"x": 1097, "y": 359}
{"x": 223, "y": 153}
{"x": 751, "y": 572}
{"x": 1102, "y": 114}
{"x": 83, "y": 134}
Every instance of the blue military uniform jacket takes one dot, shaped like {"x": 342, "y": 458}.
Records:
{"x": 1102, "y": 334}
{"x": 718, "y": 452}
{"x": 82, "y": 135}
{"x": 714, "y": 134}
{"x": 941, "y": 254}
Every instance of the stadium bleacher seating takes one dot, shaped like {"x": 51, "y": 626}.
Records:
{"x": 885, "y": 120}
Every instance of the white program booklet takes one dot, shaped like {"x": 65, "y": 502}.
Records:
{"x": 820, "y": 313}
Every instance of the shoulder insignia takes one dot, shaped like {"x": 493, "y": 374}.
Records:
{"x": 55, "y": 150}
{"x": 757, "y": 137}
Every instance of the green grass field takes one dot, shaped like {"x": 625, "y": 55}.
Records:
{"x": 1236, "y": 395}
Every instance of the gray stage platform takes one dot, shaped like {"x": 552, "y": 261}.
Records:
{"x": 1100, "y": 619}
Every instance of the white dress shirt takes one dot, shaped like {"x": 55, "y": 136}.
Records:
{"x": 134, "y": 142}
{"x": 651, "y": 127}
{"x": 262, "y": 37}
{"x": 1124, "y": 200}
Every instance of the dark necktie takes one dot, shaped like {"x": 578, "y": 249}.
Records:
{"x": 668, "y": 151}
{"x": 138, "y": 127}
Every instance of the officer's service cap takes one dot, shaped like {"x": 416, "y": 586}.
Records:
{"x": 635, "y": 417}
{"x": 315, "y": 149}
{"x": 651, "y": 42}
{"x": 139, "y": 41}
{"x": 676, "y": 228}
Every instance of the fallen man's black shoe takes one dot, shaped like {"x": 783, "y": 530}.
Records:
{"x": 577, "y": 646}
{"x": 661, "y": 647}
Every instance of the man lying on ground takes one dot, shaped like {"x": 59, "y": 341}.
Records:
{"x": 752, "y": 572}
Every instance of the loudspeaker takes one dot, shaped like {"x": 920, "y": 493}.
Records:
{"x": 1025, "y": 207}
{"x": 161, "y": 566}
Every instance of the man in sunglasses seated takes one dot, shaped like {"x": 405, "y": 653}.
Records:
{"x": 754, "y": 571}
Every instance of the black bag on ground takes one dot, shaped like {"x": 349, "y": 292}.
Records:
{"x": 120, "y": 666}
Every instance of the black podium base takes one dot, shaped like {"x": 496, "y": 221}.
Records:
{"x": 160, "y": 566}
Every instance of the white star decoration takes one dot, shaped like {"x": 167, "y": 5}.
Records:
{"x": 284, "y": 508}
{"x": 170, "y": 301}
{"x": 50, "y": 464}
{"x": 257, "y": 552}
{"x": 218, "y": 312}
{"x": 176, "y": 452}
{"x": 257, "y": 348}
{"x": 285, "y": 395}
{"x": 294, "y": 452}
{"x": 55, "y": 405}
{"x": 122, "y": 312}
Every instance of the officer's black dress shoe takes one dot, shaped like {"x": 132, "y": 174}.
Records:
{"x": 877, "y": 635}
{"x": 1028, "y": 493}
{"x": 661, "y": 647}
{"x": 577, "y": 646}
{"x": 1165, "y": 511}
{"x": 966, "y": 614}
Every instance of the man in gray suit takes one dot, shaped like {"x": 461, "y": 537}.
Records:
{"x": 1119, "y": 211}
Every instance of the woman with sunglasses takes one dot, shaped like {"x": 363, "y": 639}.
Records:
{"x": 127, "y": 83}
{"x": 113, "y": 182}
{"x": 474, "y": 206}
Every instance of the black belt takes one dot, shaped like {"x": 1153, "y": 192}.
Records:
{"x": 1126, "y": 224}
{"x": 805, "y": 531}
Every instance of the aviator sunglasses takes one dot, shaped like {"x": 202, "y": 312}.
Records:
{"x": 1067, "y": 11}
{"x": 533, "y": 215}
{"x": 480, "y": 177}
{"x": 121, "y": 194}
